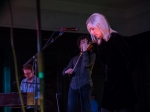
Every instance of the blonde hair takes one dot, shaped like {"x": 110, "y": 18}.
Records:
{"x": 99, "y": 21}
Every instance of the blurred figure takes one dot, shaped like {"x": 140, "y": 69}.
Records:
{"x": 30, "y": 84}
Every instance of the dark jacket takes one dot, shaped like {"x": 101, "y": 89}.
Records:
{"x": 118, "y": 61}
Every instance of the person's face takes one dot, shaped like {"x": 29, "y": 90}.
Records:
{"x": 28, "y": 74}
{"x": 83, "y": 44}
{"x": 94, "y": 31}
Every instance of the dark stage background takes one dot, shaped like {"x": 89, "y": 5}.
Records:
{"x": 57, "y": 56}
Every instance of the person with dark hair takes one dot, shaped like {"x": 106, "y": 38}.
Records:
{"x": 80, "y": 69}
{"x": 119, "y": 62}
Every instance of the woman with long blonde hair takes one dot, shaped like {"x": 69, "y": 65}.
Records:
{"x": 117, "y": 59}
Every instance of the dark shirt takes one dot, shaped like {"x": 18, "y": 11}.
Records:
{"x": 83, "y": 70}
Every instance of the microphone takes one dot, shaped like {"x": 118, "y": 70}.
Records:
{"x": 69, "y": 29}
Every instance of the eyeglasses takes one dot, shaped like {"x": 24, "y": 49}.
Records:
{"x": 27, "y": 73}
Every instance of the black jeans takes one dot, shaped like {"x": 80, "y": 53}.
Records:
{"x": 84, "y": 94}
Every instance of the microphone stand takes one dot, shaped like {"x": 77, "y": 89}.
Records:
{"x": 39, "y": 53}
{"x": 34, "y": 59}
{"x": 45, "y": 46}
